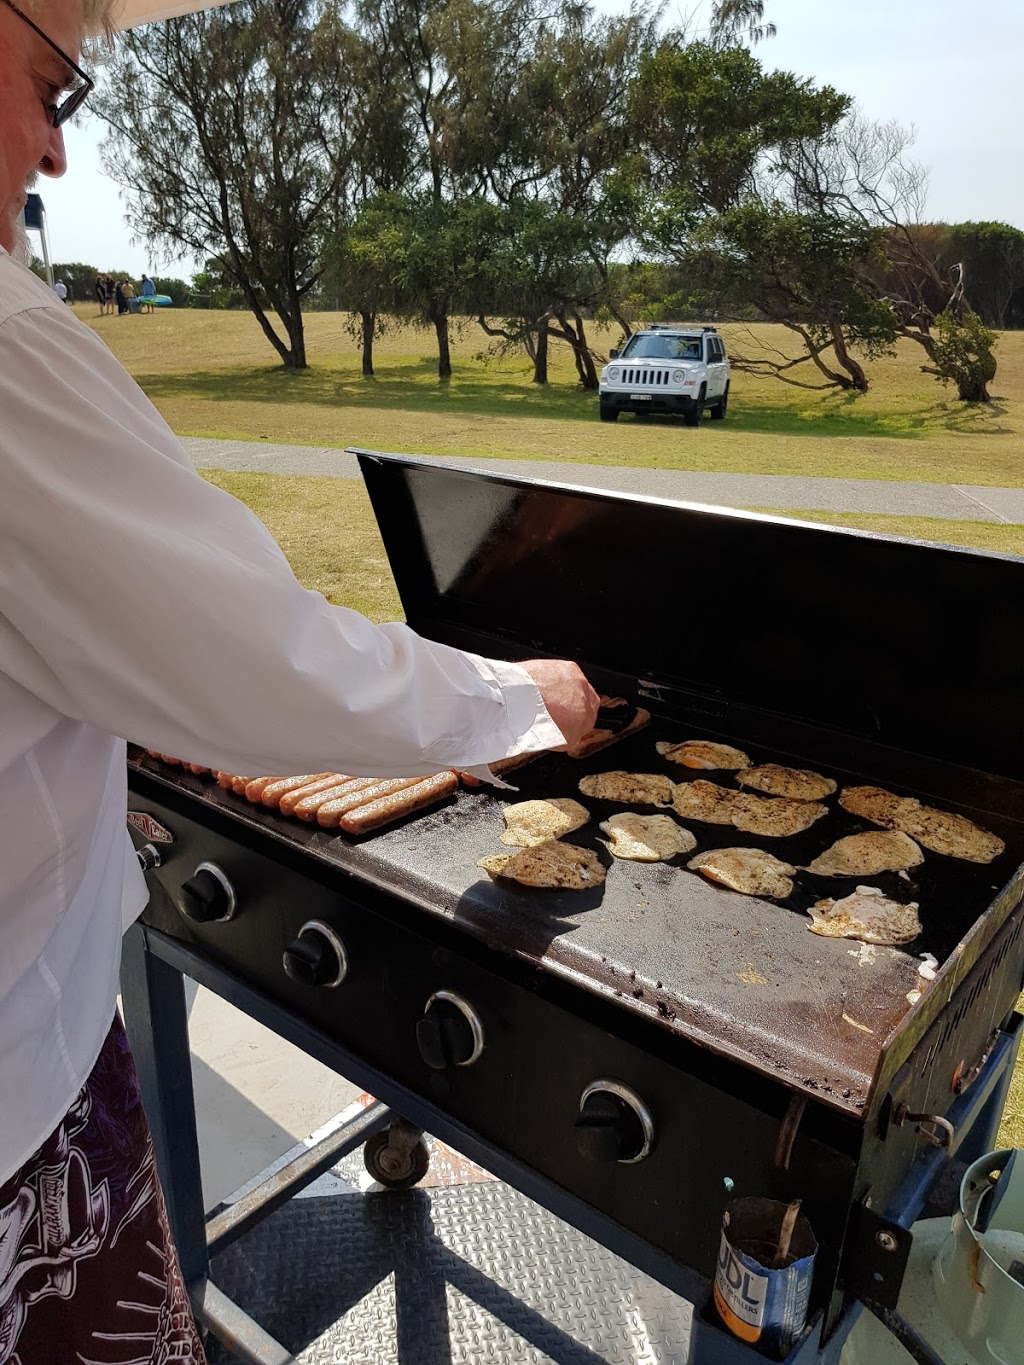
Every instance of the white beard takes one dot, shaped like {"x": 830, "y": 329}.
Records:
{"x": 22, "y": 251}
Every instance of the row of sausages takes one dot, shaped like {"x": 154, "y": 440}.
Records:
{"x": 354, "y": 805}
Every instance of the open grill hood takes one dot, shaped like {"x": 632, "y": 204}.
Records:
{"x": 914, "y": 646}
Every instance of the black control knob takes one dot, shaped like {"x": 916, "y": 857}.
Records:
{"x": 207, "y": 896}
{"x": 450, "y": 1032}
{"x": 317, "y": 957}
{"x": 613, "y": 1124}
{"x": 149, "y": 856}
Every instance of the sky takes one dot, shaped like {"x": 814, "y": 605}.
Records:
{"x": 954, "y": 74}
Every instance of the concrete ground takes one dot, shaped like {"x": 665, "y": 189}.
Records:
{"x": 256, "y": 1096}
{"x": 954, "y": 502}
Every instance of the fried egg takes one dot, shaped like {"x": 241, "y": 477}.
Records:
{"x": 872, "y": 803}
{"x": 954, "y": 835}
{"x": 774, "y": 817}
{"x": 939, "y": 830}
{"x": 703, "y": 753}
{"x": 798, "y": 784}
{"x": 646, "y": 838}
{"x": 528, "y": 823}
{"x": 866, "y": 855}
{"x": 750, "y": 871}
{"x": 552, "y": 865}
{"x": 867, "y": 915}
{"x": 643, "y": 789}
{"x": 705, "y": 801}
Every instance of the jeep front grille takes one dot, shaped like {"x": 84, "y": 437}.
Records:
{"x": 645, "y": 376}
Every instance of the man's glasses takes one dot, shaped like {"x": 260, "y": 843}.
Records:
{"x": 75, "y": 98}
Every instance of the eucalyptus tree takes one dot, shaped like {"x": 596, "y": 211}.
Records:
{"x": 227, "y": 130}
{"x": 575, "y": 163}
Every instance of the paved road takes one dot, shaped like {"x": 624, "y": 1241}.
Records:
{"x": 955, "y": 502}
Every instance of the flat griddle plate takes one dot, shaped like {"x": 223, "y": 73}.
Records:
{"x": 740, "y": 975}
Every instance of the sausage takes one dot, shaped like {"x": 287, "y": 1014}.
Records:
{"x": 254, "y": 789}
{"x": 331, "y": 812}
{"x": 307, "y": 807}
{"x": 197, "y": 768}
{"x": 291, "y": 799}
{"x": 224, "y": 779}
{"x": 239, "y": 784}
{"x": 397, "y": 804}
{"x": 273, "y": 792}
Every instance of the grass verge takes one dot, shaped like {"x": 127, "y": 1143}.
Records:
{"x": 327, "y": 530}
{"x": 213, "y": 374}
{"x": 978, "y": 535}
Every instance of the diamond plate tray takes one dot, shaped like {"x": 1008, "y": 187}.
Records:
{"x": 446, "y": 1276}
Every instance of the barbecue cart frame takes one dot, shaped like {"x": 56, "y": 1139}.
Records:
{"x": 154, "y": 967}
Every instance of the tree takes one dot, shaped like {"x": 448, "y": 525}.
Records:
{"x": 79, "y": 278}
{"x": 227, "y": 131}
{"x": 993, "y": 258}
{"x": 364, "y": 264}
{"x": 805, "y": 272}
{"x": 731, "y": 18}
{"x": 711, "y": 119}
{"x": 860, "y": 174}
{"x": 538, "y": 277}
{"x": 962, "y": 355}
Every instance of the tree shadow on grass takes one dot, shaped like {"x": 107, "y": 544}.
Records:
{"x": 410, "y": 387}
{"x": 413, "y": 387}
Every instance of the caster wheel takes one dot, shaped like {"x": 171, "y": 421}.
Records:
{"x": 394, "y": 1170}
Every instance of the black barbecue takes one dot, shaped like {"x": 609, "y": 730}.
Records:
{"x": 734, "y": 1052}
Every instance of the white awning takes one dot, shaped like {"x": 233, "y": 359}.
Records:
{"x": 133, "y": 12}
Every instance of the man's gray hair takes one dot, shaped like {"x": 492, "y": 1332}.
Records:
{"x": 99, "y": 16}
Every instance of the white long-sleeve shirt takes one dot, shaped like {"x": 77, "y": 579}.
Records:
{"x": 139, "y": 602}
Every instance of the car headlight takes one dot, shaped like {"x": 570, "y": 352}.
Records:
{"x": 612, "y": 374}
{"x": 678, "y": 376}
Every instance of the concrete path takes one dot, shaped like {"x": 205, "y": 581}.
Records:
{"x": 953, "y": 502}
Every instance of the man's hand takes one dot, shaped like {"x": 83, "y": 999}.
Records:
{"x": 571, "y": 702}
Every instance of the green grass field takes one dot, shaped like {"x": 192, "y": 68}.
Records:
{"x": 213, "y": 374}
{"x": 327, "y": 529}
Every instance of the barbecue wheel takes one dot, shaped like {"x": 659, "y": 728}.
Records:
{"x": 395, "y": 1170}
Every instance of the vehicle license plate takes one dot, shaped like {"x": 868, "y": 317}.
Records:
{"x": 640, "y": 397}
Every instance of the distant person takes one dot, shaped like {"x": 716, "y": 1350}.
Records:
{"x": 61, "y": 290}
{"x": 100, "y": 291}
{"x": 122, "y": 307}
{"x": 108, "y": 293}
{"x": 148, "y": 288}
{"x": 131, "y": 303}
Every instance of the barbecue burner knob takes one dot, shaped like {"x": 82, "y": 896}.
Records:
{"x": 450, "y": 1032}
{"x": 207, "y": 895}
{"x": 613, "y": 1124}
{"x": 317, "y": 957}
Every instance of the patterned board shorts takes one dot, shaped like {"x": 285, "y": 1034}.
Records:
{"x": 88, "y": 1273}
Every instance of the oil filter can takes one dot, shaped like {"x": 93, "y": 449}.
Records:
{"x": 760, "y": 1295}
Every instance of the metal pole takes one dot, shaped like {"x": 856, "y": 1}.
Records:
{"x": 156, "y": 1021}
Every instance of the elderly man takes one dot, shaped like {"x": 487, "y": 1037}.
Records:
{"x": 138, "y": 600}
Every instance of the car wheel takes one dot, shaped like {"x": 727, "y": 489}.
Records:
{"x": 693, "y": 414}
{"x": 720, "y": 408}
{"x": 609, "y": 414}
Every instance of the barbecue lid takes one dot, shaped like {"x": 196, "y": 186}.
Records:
{"x": 910, "y": 644}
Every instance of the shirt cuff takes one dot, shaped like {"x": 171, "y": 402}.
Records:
{"x": 530, "y": 727}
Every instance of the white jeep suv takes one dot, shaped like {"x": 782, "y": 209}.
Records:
{"x": 667, "y": 369}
